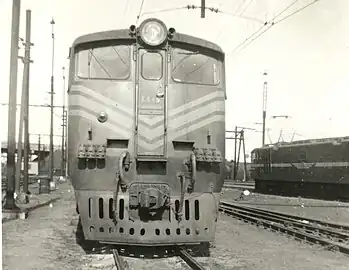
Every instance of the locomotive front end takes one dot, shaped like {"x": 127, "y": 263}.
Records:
{"x": 146, "y": 135}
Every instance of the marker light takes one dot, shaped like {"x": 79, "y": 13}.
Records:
{"x": 103, "y": 116}
{"x": 153, "y": 32}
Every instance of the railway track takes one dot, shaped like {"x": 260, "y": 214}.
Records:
{"x": 330, "y": 235}
{"x": 186, "y": 257}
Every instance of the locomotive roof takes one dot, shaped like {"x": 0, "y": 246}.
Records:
{"x": 124, "y": 34}
{"x": 306, "y": 142}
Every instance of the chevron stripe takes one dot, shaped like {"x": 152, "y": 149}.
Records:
{"x": 123, "y": 121}
{"x": 93, "y": 107}
{"x": 90, "y": 115}
{"x": 105, "y": 101}
{"x": 190, "y": 127}
{"x": 151, "y": 122}
{"x": 196, "y": 114}
{"x": 185, "y": 125}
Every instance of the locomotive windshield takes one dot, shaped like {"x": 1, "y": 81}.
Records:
{"x": 108, "y": 62}
{"x": 114, "y": 62}
{"x": 195, "y": 67}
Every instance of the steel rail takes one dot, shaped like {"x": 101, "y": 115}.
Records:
{"x": 298, "y": 222}
{"x": 190, "y": 260}
{"x": 290, "y": 216}
{"x": 118, "y": 260}
{"x": 257, "y": 219}
{"x": 342, "y": 237}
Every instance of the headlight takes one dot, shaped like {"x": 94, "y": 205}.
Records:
{"x": 153, "y": 32}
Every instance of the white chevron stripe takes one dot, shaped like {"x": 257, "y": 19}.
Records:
{"x": 191, "y": 128}
{"x": 96, "y": 107}
{"x": 114, "y": 129}
{"x": 217, "y": 106}
{"x": 100, "y": 97}
{"x": 153, "y": 120}
{"x": 150, "y": 147}
{"x": 196, "y": 102}
{"x": 151, "y": 133}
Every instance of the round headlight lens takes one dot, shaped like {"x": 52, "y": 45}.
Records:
{"x": 153, "y": 33}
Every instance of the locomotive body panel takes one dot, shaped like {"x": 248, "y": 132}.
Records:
{"x": 145, "y": 143}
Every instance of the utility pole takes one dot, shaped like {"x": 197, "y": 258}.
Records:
{"x": 238, "y": 156}
{"x": 20, "y": 136}
{"x": 203, "y": 7}
{"x": 242, "y": 134}
{"x": 51, "y": 167}
{"x": 66, "y": 143}
{"x": 39, "y": 155}
{"x": 11, "y": 131}
{"x": 241, "y": 139}
{"x": 26, "y": 72}
{"x": 265, "y": 93}
{"x": 235, "y": 141}
{"x": 63, "y": 127}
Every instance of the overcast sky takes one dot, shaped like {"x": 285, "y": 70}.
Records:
{"x": 306, "y": 57}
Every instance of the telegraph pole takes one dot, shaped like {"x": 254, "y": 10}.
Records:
{"x": 235, "y": 141}
{"x": 265, "y": 93}
{"x": 39, "y": 155}
{"x": 66, "y": 143}
{"x": 241, "y": 139}
{"x": 27, "y": 62}
{"x": 63, "y": 127}
{"x": 244, "y": 150}
{"x": 20, "y": 137}
{"x": 52, "y": 93}
{"x": 203, "y": 7}
{"x": 11, "y": 131}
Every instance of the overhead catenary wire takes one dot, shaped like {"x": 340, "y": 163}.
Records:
{"x": 297, "y": 11}
{"x": 224, "y": 27}
{"x": 246, "y": 7}
{"x": 270, "y": 24}
{"x": 259, "y": 29}
{"x": 140, "y": 10}
{"x": 273, "y": 23}
{"x": 212, "y": 9}
{"x": 240, "y": 6}
{"x": 162, "y": 10}
{"x": 125, "y": 10}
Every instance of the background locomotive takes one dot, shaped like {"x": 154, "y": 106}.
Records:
{"x": 309, "y": 168}
{"x": 146, "y": 135}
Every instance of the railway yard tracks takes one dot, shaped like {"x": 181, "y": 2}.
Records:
{"x": 332, "y": 236}
{"x": 121, "y": 263}
{"x": 183, "y": 254}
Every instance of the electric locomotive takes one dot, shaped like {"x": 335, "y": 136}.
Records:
{"x": 315, "y": 168}
{"x": 146, "y": 135}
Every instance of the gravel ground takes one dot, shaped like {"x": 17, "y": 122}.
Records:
{"x": 331, "y": 211}
{"x": 46, "y": 240}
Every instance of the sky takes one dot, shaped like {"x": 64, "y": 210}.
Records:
{"x": 306, "y": 57}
